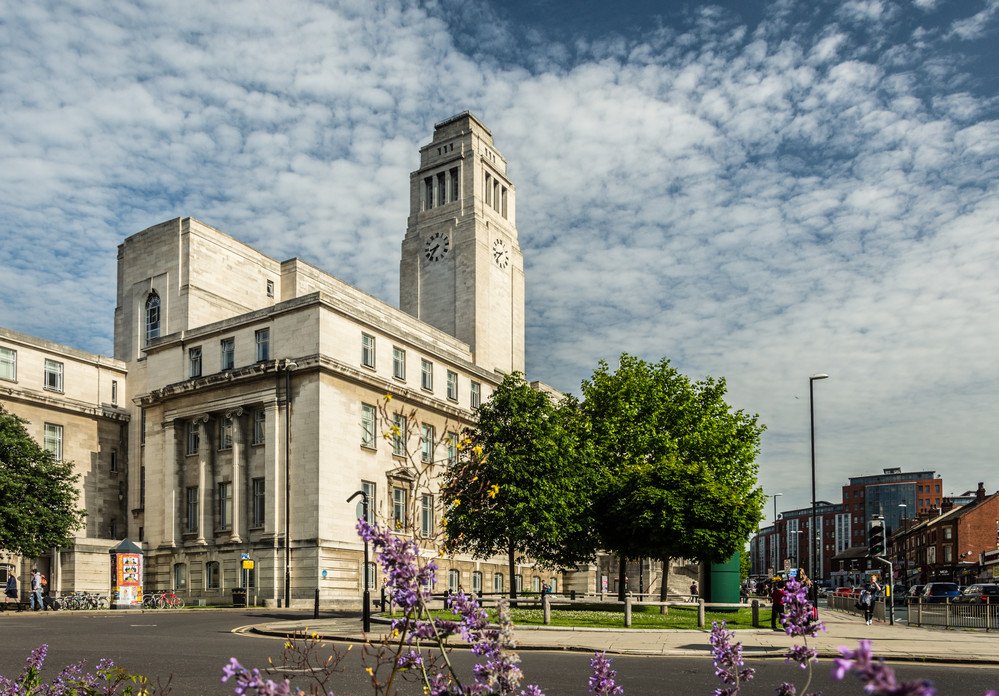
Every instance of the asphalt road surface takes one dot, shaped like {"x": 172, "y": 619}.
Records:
{"x": 190, "y": 648}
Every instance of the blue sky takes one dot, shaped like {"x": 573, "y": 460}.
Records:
{"x": 758, "y": 191}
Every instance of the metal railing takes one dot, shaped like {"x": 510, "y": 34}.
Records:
{"x": 955, "y": 615}
{"x": 852, "y": 605}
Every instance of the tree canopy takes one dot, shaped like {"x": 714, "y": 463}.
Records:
{"x": 521, "y": 483}
{"x": 678, "y": 464}
{"x": 38, "y": 494}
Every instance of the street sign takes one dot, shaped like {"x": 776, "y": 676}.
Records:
{"x": 244, "y": 556}
{"x": 247, "y": 564}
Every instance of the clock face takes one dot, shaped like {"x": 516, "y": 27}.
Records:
{"x": 501, "y": 255}
{"x": 436, "y": 246}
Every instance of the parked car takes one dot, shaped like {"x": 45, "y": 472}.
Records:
{"x": 847, "y": 592}
{"x": 940, "y": 592}
{"x": 915, "y": 592}
{"x": 982, "y": 593}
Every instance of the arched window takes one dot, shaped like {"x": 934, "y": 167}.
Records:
{"x": 152, "y": 316}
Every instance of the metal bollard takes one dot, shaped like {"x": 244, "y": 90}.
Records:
{"x": 756, "y": 612}
{"x": 572, "y": 594}
{"x": 627, "y": 611}
{"x": 315, "y": 605}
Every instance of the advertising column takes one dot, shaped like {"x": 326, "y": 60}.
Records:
{"x": 126, "y": 576}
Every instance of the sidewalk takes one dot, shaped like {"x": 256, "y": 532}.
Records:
{"x": 895, "y": 643}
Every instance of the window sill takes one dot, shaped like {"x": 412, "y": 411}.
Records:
{"x": 368, "y": 448}
{"x": 54, "y": 390}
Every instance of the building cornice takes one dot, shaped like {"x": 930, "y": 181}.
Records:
{"x": 47, "y": 401}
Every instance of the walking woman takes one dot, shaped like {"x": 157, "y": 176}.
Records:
{"x": 867, "y": 597}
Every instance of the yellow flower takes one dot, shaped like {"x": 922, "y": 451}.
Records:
{"x": 440, "y": 552}
{"x": 477, "y": 450}
{"x": 388, "y": 397}
{"x": 474, "y": 479}
{"x": 493, "y": 490}
{"x": 443, "y": 521}
{"x": 395, "y": 632}
{"x": 370, "y": 671}
{"x": 456, "y": 502}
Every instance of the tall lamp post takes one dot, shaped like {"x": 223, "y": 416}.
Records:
{"x": 776, "y": 542}
{"x": 289, "y": 365}
{"x": 816, "y": 532}
{"x": 366, "y": 610}
{"x": 902, "y": 540}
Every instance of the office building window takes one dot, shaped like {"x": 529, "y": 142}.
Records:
{"x": 497, "y": 582}
{"x": 142, "y": 488}
{"x": 398, "y": 363}
{"x": 114, "y": 392}
{"x": 477, "y": 582}
{"x": 270, "y": 288}
{"x": 426, "y": 374}
{"x": 399, "y": 434}
{"x": 53, "y": 440}
{"x": 213, "y": 578}
{"x": 367, "y": 426}
{"x": 427, "y": 443}
{"x": 535, "y": 584}
{"x": 427, "y": 514}
{"x": 367, "y": 350}
{"x": 228, "y": 348}
{"x": 259, "y": 426}
{"x": 142, "y": 426}
{"x": 452, "y": 448}
{"x": 8, "y": 364}
{"x": 263, "y": 338}
{"x": 152, "y": 316}
{"x": 476, "y": 395}
{"x": 453, "y": 580}
{"x": 518, "y": 582}
{"x": 259, "y": 502}
{"x": 191, "y": 509}
{"x": 452, "y": 385}
{"x": 114, "y": 461}
{"x": 225, "y": 504}
{"x": 53, "y": 375}
{"x": 399, "y": 507}
{"x": 225, "y": 433}
{"x": 194, "y": 361}
{"x": 193, "y": 438}
{"x": 179, "y": 576}
{"x": 454, "y": 184}
{"x": 369, "y": 490}
{"x": 372, "y": 574}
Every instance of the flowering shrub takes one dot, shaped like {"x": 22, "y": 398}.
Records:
{"x": 105, "y": 680}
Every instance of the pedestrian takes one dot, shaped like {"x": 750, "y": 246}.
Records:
{"x": 867, "y": 597}
{"x": 693, "y": 591}
{"x": 776, "y": 603}
{"x": 744, "y": 593}
{"x": 36, "y": 590}
{"x": 10, "y": 592}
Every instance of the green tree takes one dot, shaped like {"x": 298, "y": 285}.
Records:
{"x": 521, "y": 483}
{"x": 678, "y": 465}
{"x": 38, "y": 494}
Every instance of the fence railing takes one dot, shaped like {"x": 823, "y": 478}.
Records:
{"x": 951, "y": 615}
{"x": 852, "y": 605}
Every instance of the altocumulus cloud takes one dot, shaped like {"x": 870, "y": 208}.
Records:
{"x": 813, "y": 192}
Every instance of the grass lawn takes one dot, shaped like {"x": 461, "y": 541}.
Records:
{"x": 612, "y": 616}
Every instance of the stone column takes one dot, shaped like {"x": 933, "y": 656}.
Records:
{"x": 238, "y": 443}
{"x": 204, "y": 497}
{"x": 169, "y": 539}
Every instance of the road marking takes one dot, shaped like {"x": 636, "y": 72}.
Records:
{"x": 148, "y": 625}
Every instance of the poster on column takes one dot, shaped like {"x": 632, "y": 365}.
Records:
{"x": 126, "y": 576}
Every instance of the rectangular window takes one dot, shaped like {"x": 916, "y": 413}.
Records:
{"x": 452, "y": 385}
{"x": 399, "y": 507}
{"x": 372, "y": 575}
{"x": 427, "y": 515}
{"x": 477, "y": 581}
{"x": 259, "y": 426}
{"x": 367, "y": 350}
{"x": 193, "y": 438}
{"x": 53, "y": 375}
{"x": 452, "y": 448}
{"x": 369, "y": 490}
{"x": 263, "y": 337}
{"x": 259, "y": 503}
{"x": 53, "y": 440}
{"x": 503, "y": 206}
{"x": 454, "y": 184}
{"x": 179, "y": 576}
{"x": 399, "y": 434}
{"x": 497, "y": 582}
{"x": 114, "y": 392}
{"x": 441, "y": 188}
{"x": 476, "y": 398}
{"x": 194, "y": 361}
{"x": 367, "y": 426}
{"x": 191, "y": 508}
{"x": 948, "y": 533}
{"x": 228, "y": 353}
{"x": 113, "y": 529}
{"x": 114, "y": 461}
{"x": 428, "y": 193}
{"x": 270, "y": 288}
{"x": 427, "y": 443}
{"x": 225, "y": 504}
{"x": 213, "y": 578}
{"x": 426, "y": 374}
{"x": 453, "y": 580}
{"x": 225, "y": 434}
{"x": 398, "y": 363}
{"x": 489, "y": 190}
{"x": 142, "y": 488}
{"x": 8, "y": 364}
{"x": 518, "y": 582}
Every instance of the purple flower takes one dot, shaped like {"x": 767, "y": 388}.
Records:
{"x": 602, "y": 677}
{"x": 729, "y": 665}
{"x": 407, "y": 580}
{"x": 797, "y": 616}
{"x": 878, "y": 678}
{"x": 250, "y": 683}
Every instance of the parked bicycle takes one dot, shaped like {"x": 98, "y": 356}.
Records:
{"x": 84, "y": 600}
{"x": 162, "y": 600}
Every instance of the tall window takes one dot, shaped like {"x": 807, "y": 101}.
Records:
{"x": 367, "y": 425}
{"x": 399, "y": 507}
{"x": 476, "y": 396}
{"x": 453, "y": 580}
{"x": 225, "y": 433}
{"x": 8, "y": 364}
{"x": 452, "y": 385}
{"x": 454, "y": 190}
{"x": 191, "y": 508}
{"x": 193, "y": 438}
{"x": 427, "y": 514}
{"x": 369, "y": 489}
{"x": 259, "y": 426}
{"x": 270, "y": 288}
{"x": 367, "y": 350}
{"x": 225, "y": 504}
{"x": 213, "y": 578}
{"x": 114, "y": 392}
{"x": 228, "y": 348}
{"x": 259, "y": 502}
{"x": 194, "y": 361}
{"x": 179, "y": 576}
{"x": 114, "y": 461}
{"x": 477, "y": 581}
{"x": 142, "y": 488}
{"x": 53, "y": 440}
{"x": 53, "y": 375}
{"x": 426, "y": 374}
{"x": 452, "y": 448}
{"x": 399, "y": 435}
{"x": 398, "y": 363}
{"x": 152, "y": 316}
{"x": 535, "y": 584}
{"x": 372, "y": 575}
{"x": 427, "y": 443}
{"x": 497, "y": 582}
{"x": 518, "y": 582}
{"x": 263, "y": 337}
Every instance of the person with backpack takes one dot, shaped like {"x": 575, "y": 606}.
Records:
{"x": 867, "y": 597}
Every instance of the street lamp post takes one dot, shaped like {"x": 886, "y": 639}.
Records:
{"x": 289, "y": 365}
{"x": 366, "y": 609}
{"x": 813, "y": 561}
{"x": 776, "y": 541}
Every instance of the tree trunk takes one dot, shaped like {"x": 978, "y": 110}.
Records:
{"x": 622, "y": 579}
{"x": 664, "y": 587}
{"x": 511, "y": 553}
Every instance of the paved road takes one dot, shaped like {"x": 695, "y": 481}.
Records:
{"x": 192, "y": 646}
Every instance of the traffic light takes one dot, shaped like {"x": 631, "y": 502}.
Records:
{"x": 876, "y": 538}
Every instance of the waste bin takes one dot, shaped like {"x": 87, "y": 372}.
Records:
{"x": 239, "y": 596}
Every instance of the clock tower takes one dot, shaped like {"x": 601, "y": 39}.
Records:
{"x": 461, "y": 269}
